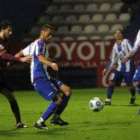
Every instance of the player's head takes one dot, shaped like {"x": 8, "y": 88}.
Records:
{"x": 118, "y": 34}
{"x": 46, "y": 32}
{"x": 5, "y": 29}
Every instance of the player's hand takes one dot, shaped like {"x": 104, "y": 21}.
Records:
{"x": 124, "y": 60}
{"x": 54, "y": 66}
{"x": 104, "y": 72}
{"x": 26, "y": 59}
{"x": 131, "y": 53}
{"x": 8, "y": 64}
{"x": 127, "y": 58}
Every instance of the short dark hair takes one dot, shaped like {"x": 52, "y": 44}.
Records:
{"x": 4, "y": 24}
{"x": 45, "y": 26}
{"x": 119, "y": 30}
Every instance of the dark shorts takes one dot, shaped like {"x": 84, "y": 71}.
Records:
{"x": 4, "y": 82}
{"x": 118, "y": 76}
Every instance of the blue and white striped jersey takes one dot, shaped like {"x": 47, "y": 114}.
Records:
{"x": 120, "y": 51}
{"x": 37, "y": 69}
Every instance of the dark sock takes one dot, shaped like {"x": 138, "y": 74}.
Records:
{"x": 132, "y": 91}
{"x": 110, "y": 91}
{"x": 51, "y": 109}
{"x": 15, "y": 110}
{"x": 61, "y": 108}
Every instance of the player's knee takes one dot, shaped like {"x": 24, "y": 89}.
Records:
{"x": 131, "y": 87}
{"x": 137, "y": 83}
{"x": 59, "y": 101}
{"x": 9, "y": 95}
{"x": 111, "y": 84}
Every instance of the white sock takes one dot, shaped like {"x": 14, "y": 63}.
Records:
{"x": 108, "y": 100}
{"x": 40, "y": 120}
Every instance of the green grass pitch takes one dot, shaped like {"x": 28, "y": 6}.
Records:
{"x": 116, "y": 122}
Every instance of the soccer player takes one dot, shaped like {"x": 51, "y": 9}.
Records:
{"x": 123, "y": 70}
{"x": 5, "y": 57}
{"x": 130, "y": 55}
{"x": 46, "y": 86}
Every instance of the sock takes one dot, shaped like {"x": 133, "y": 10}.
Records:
{"x": 132, "y": 91}
{"x": 15, "y": 110}
{"x": 40, "y": 120}
{"x": 110, "y": 91}
{"x": 61, "y": 108}
{"x": 51, "y": 109}
{"x": 138, "y": 88}
{"x": 55, "y": 116}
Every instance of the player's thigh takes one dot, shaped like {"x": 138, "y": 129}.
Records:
{"x": 61, "y": 87}
{"x": 4, "y": 83}
{"x": 8, "y": 94}
{"x": 57, "y": 99}
{"x": 128, "y": 78}
{"x": 116, "y": 77}
{"x": 57, "y": 83}
{"x": 45, "y": 88}
{"x": 66, "y": 90}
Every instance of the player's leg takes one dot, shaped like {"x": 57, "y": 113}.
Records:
{"x": 14, "y": 107}
{"x": 56, "y": 120}
{"x": 40, "y": 124}
{"x": 136, "y": 79}
{"x": 110, "y": 91}
{"x": 66, "y": 91}
{"x": 128, "y": 80}
{"x": 6, "y": 90}
{"x": 116, "y": 78}
{"x": 48, "y": 91}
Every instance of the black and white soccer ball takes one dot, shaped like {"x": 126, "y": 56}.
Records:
{"x": 95, "y": 104}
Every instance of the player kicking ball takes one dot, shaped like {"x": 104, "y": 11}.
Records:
{"x": 46, "y": 86}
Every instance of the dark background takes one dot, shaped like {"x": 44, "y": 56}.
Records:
{"x": 21, "y": 13}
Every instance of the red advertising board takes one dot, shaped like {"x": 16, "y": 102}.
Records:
{"x": 84, "y": 54}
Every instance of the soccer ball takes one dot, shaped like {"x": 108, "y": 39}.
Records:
{"x": 96, "y": 104}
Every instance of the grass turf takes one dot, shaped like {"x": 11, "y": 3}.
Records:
{"x": 116, "y": 122}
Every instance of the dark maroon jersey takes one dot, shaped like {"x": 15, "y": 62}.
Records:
{"x": 4, "y": 46}
{"x": 4, "y": 54}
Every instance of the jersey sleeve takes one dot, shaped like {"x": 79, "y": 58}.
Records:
{"x": 26, "y": 51}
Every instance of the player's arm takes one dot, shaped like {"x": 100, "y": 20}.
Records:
{"x": 136, "y": 43}
{"x": 19, "y": 54}
{"x": 45, "y": 61}
{"x": 111, "y": 63}
{"x": 25, "y": 52}
{"x": 136, "y": 46}
{"x": 131, "y": 54}
{"x": 7, "y": 56}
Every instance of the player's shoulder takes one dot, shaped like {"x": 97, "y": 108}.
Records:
{"x": 126, "y": 41}
{"x": 40, "y": 42}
